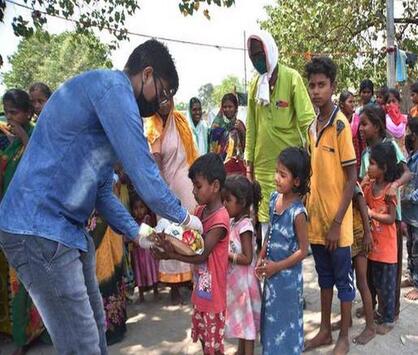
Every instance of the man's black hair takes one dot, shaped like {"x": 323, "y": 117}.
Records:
{"x": 154, "y": 54}
{"x": 322, "y": 65}
{"x": 209, "y": 166}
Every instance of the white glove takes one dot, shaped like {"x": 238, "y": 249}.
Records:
{"x": 144, "y": 232}
{"x": 192, "y": 222}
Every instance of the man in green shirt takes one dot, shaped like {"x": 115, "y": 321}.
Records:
{"x": 279, "y": 113}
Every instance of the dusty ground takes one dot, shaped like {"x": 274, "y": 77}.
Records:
{"x": 156, "y": 328}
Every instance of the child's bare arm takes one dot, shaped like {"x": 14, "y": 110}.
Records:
{"x": 246, "y": 257}
{"x": 404, "y": 179}
{"x": 385, "y": 218}
{"x": 333, "y": 236}
{"x": 211, "y": 239}
{"x": 362, "y": 205}
{"x": 270, "y": 268}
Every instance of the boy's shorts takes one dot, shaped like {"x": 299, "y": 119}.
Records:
{"x": 334, "y": 268}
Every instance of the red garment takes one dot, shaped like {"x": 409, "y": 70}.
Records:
{"x": 209, "y": 328}
{"x": 359, "y": 143}
{"x": 396, "y": 116}
{"x": 209, "y": 293}
{"x": 385, "y": 247}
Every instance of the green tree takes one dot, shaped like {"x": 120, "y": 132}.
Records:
{"x": 353, "y": 33}
{"x": 230, "y": 84}
{"x": 205, "y": 95}
{"x": 102, "y": 14}
{"x": 182, "y": 106}
{"x": 55, "y": 58}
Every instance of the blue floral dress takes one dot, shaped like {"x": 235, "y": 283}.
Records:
{"x": 282, "y": 305}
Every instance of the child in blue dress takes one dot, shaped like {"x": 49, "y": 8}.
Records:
{"x": 280, "y": 259}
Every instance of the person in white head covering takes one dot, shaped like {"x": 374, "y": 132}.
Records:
{"x": 278, "y": 116}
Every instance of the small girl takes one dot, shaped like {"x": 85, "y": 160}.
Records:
{"x": 39, "y": 95}
{"x": 210, "y": 268}
{"x": 144, "y": 264}
{"x": 243, "y": 289}
{"x": 383, "y": 261}
{"x": 280, "y": 259}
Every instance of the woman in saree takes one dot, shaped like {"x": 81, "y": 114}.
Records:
{"x": 227, "y": 136}
{"x": 171, "y": 143}
{"x": 198, "y": 125}
{"x": 18, "y": 315}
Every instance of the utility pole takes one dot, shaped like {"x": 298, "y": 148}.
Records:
{"x": 390, "y": 46}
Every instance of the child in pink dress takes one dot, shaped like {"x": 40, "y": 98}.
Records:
{"x": 210, "y": 268}
{"x": 144, "y": 264}
{"x": 243, "y": 288}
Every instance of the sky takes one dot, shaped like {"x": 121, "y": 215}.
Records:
{"x": 196, "y": 65}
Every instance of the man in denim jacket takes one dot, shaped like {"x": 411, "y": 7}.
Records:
{"x": 89, "y": 123}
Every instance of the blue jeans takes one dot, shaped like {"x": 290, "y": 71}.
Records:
{"x": 63, "y": 286}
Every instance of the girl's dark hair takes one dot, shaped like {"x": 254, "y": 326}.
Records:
{"x": 384, "y": 92}
{"x": 246, "y": 192}
{"x": 396, "y": 93}
{"x": 322, "y": 65}
{"x": 230, "y": 97}
{"x": 376, "y": 116}
{"x": 19, "y": 98}
{"x": 41, "y": 87}
{"x": 367, "y": 84}
{"x": 413, "y": 125}
{"x": 384, "y": 155}
{"x": 414, "y": 87}
{"x": 194, "y": 100}
{"x": 345, "y": 94}
{"x": 298, "y": 162}
{"x": 209, "y": 166}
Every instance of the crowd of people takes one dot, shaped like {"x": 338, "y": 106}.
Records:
{"x": 304, "y": 173}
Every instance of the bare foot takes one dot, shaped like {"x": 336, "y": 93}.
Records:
{"x": 384, "y": 328}
{"x": 141, "y": 299}
{"x": 406, "y": 283}
{"x": 412, "y": 295}
{"x": 360, "y": 312}
{"x": 323, "y": 337}
{"x": 337, "y": 325}
{"x": 365, "y": 336}
{"x": 342, "y": 346}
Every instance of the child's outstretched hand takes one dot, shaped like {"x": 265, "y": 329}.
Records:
{"x": 163, "y": 248}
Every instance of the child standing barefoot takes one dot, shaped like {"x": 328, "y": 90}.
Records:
{"x": 210, "y": 268}
{"x": 243, "y": 289}
{"x": 144, "y": 264}
{"x": 280, "y": 259}
{"x": 410, "y": 207}
{"x": 383, "y": 171}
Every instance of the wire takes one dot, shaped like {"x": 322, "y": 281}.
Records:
{"x": 167, "y": 39}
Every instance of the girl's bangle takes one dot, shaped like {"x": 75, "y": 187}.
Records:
{"x": 234, "y": 258}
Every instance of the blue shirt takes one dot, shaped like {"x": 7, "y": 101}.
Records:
{"x": 91, "y": 122}
{"x": 410, "y": 194}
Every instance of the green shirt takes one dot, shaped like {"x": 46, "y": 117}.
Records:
{"x": 270, "y": 129}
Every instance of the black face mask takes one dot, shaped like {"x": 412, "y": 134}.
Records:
{"x": 409, "y": 143}
{"x": 147, "y": 109}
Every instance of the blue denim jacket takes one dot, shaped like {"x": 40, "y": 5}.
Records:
{"x": 88, "y": 124}
{"x": 410, "y": 194}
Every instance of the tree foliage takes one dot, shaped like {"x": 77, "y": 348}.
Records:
{"x": 108, "y": 15}
{"x": 205, "y": 95}
{"x": 353, "y": 33}
{"x": 55, "y": 58}
{"x": 230, "y": 84}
